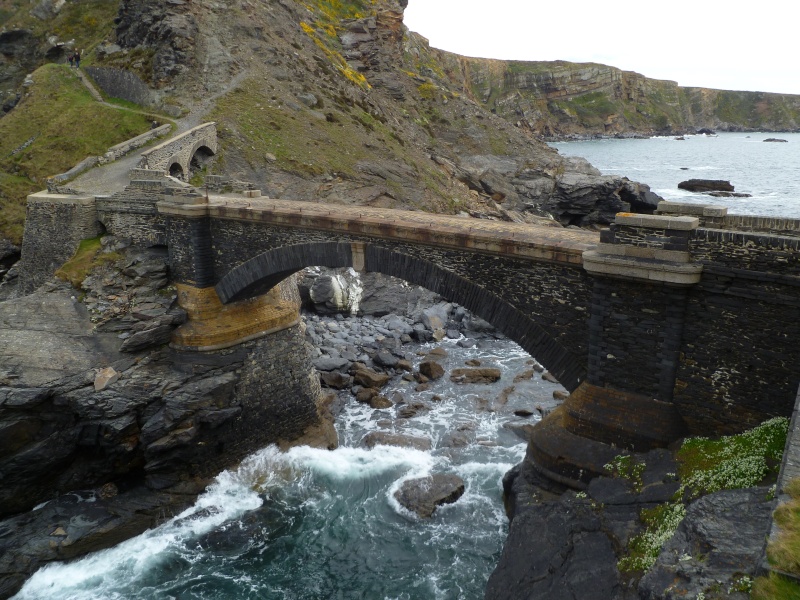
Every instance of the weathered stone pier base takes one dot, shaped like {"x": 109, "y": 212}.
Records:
{"x": 642, "y": 270}
{"x": 214, "y": 326}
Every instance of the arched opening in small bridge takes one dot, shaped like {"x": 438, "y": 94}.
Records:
{"x": 263, "y": 272}
{"x": 201, "y": 157}
{"x": 176, "y": 170}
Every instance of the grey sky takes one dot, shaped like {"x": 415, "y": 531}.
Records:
{"x": 725, "y": 45}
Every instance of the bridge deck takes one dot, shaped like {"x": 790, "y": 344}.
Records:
{"x": 537, "y": 242}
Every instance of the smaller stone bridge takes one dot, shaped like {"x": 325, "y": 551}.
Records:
{"x": 181, "y": 155}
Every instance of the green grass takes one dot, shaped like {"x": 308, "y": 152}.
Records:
{"x": 67, "y": 125}
{"x": 774, "y": 587}
{"x": 86, "y": 258}
{"x": 705, "y": 466}
{"x": 784, "y": 552}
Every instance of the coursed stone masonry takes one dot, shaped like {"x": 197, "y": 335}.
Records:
{"x": 180, "y": 150}
{"x": 54, "y": 226}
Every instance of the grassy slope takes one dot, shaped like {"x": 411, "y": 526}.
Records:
{"x": 66, "y": 126}
{"x": 87, "y": 22}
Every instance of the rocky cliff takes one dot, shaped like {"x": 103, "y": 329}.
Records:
{"x": 560, "y": 99}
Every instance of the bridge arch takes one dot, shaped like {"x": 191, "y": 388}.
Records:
{"x": 176, "y": 170}
{"x": 263, "y": 272}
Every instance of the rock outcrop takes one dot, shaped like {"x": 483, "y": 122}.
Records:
{"x": 706, "y": 185}
{"x": 94, "y": 404}
{"x": 422, "y": 496}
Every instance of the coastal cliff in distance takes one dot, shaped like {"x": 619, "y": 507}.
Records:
{"x": 559, "y": 98}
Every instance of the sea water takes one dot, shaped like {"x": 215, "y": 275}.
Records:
{"x": 313, "y": 524}
{"x": 769, "y": 171}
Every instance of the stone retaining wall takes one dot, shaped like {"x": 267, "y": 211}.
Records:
{"x": 54, "y": 226}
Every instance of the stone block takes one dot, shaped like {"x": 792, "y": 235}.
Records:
{"x": 657, "y": 221}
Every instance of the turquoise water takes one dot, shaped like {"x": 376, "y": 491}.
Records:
{"x": 310, "y": 524}
{"x": 768, "y": 171}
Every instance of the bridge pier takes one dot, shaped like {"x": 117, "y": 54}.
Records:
{"x": 642, "y": 271}
{"x": 212, "y": 325}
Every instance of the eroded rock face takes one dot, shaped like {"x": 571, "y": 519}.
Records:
{"x": 721, "y": 539}
{"x": 422, "y": 496}
{"x": 167, "y": 27}
{"x": 82, "y": 413}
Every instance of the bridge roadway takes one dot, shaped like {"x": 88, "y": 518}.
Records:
{"x": 520, "y": 240}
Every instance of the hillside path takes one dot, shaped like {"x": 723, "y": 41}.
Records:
{"x": 113, "y": 177}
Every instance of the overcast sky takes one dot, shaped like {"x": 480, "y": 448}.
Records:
{"x": 705, "y": 43}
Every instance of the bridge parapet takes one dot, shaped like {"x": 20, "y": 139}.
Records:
{"x": 544, "y": 243}
{"x": 175, "y": 155}
{"x": 712, "y": 216}
{"x": 649, "y": 247}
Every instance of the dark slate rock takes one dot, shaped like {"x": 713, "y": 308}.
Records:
{"x": 157, "y": 336}
{"x": 706, "y": 185}
{"x": 384, "y": 358}
{"x": 327, "y": 363}
{"x": 723, "y": 533}
{"x": 570, "y": 557}
{"x": 422, "y": 496}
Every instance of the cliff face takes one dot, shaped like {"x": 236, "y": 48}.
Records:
{"x": 562, "y": 98}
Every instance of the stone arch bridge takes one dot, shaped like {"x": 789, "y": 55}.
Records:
{"x": 176, "y": 155}
{"x": 662, "y": 325}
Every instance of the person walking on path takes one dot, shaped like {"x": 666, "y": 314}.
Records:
{"x": 77, "y": 57}
{"x": 71, "y": 58}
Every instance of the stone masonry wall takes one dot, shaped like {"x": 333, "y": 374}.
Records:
{"x": 180, "y": 149}
{"x": 553, "y": 297}
{"x": 635, "y": 334}
{"x": 54, "y": 225}
{"x": 740, "y": 361}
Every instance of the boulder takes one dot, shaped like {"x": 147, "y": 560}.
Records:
{"x": 548, "y": 376}
{"x": 435, "y": 317}
{"x": 776, "y": 140}
{"x": 365, "y": 395}
{"x": 335, "y": 380}
{"x": 380, "y": 402}
{"x": 729, "y": 195}
{"x": 385, "y": 295}
{"x": 412, "y": 410}
{"x": 382, "y": 438}
{"x": 370, "y": 379}
{"x": 384, "y": 358}
{"x": 706, "y": 185}
{"x": 328, "y": 363}
{"x": 479, "y": 375}
{"x": 422, "y": 496}
{"x": 431, "y": 369}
